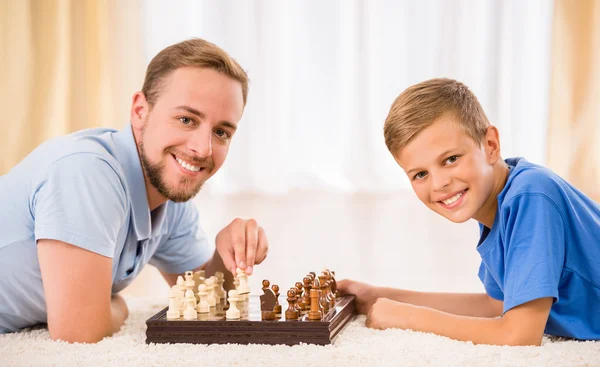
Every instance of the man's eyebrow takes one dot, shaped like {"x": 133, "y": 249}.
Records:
{"x": 194, "y": 111}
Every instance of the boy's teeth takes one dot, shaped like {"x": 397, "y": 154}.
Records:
{"x": 452, "y": 199}
{"x": 186, "y": 165}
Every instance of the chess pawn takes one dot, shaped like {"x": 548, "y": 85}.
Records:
{"x": 173, "y": 312}
{"x": 275, "y": 289}
{"x": 314, "y": 313}
{"x": 203, "y": 306}
{"x": 306, "y": 299}
{"x": 190, "y": 312}
{"x": 243, "y": 287}
{"x": 212, "y": 302}
{"x": 232, "y": 313}
{"x": 291, "y": 313}
{"x": 189, "y": 300}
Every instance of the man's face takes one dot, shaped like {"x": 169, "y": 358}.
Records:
{"x": 448, "y": 170}
{"x": 186, "y": 135}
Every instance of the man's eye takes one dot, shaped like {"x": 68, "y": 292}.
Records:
{"x": 421, "y": 175}
{"x": 222, "y": 134}
{"x": 452, "y": 159}
{"x": 185, "y": 120}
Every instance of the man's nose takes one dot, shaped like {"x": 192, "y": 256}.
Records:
{"x": 201, "y": 142}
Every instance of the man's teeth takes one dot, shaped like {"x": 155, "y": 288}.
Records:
{"x": 186, "y": 165}
{"x": 452, "y": 199}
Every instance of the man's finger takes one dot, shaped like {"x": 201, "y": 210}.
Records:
{"x": 263, "y": 246}
{"x": 238, "y": 236}
{"x": 251, "y": 244}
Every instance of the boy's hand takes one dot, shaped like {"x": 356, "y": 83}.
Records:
{"x": 242, "y": 244}
{"x": 387, "y": 313}
{"x": 365, "y": 294}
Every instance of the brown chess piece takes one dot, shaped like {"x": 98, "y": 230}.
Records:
{"x": 331, "y": 286}
{"x": 267, "y": 302}
{"x": 299, "y": 299}
{"x": 314, "y": 313}
{"x": 275, "y": 289}
{"x": 306, "y": 299}
{"x": 317, "y": 285}
{"x": 325, "y": 301}
{"x": 291, "y": 313}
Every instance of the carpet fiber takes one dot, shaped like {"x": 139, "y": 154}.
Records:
{"x": 356, "y": 345}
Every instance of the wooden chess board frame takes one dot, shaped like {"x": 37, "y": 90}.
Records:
{"x": 253, "y": 330}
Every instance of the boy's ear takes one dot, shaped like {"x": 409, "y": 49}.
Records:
{"x": 139, "y": 110}
{"x": 491, "y": 144}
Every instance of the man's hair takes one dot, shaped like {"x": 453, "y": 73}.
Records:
{"x": 421, "y": 104}
{"x": 191, "y": 53}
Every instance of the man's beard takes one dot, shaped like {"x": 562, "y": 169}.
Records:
{"x": 155, "y": 173}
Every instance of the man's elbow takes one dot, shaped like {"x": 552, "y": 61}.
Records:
{"x": 521, "y": 338}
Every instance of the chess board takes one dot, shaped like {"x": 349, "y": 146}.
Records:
{"x": 215, "y": 329}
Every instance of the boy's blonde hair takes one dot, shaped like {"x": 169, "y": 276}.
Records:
{"x": 195, "y": 53}
{"x": 421, "y": 104}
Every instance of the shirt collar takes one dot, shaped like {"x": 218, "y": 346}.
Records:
{"x": 128, "y": 157}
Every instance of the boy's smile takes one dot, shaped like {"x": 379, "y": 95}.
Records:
{"x": 451, "y": 173}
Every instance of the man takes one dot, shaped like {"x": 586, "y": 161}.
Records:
{"x": 83, "y": 213}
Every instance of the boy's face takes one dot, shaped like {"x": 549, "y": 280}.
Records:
{"x": 449, "y": 171}
{"x": 185, "y": 138}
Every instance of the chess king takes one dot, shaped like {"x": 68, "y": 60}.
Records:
{"x": 84, "y": 213}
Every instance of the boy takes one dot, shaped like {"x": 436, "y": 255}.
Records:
{"x": 84, "y": 213}
{"x": 540, "y": 237}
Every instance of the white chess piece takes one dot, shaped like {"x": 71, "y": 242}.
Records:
{"x": 232, "y": 313}
{"x": 215, "y": 292}
{"x": 173, "y": 312}
{"x": 180, "y": 283}
{"x": 178, "y": 295}
{"x": 212, "y": 302}
{"x": 190, "y": 299}
{"x": 220, "y": 280}
{"x": 203, "y": 306}
{"x": 243, "y": 287}
{"x": 189, "y": 281}
{"x": 190, "y": 313}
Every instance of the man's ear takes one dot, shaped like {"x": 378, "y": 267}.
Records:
{"x": 491, "y": 144}
{"x": 139, "y": 110}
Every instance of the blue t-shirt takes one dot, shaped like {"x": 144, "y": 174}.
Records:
{"x": 545, "y": 242}
{"x": 87, "y": 189}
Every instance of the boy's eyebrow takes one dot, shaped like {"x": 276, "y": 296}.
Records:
{"x": 201, "y": 115}
{"x": 440, "y": 156}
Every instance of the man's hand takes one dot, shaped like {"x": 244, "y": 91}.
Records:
{"x": 242, "y": 244}
{"x": 365, "y": 294}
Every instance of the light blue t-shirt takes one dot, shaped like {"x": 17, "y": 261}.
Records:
{"x": 87, "y": 189}
{"x": 545, "y": 242}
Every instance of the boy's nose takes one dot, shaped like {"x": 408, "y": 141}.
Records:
{"x": 440, "y": 181}
{"x": 201, "y": 143}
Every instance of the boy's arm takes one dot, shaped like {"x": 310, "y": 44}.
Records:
{"x": 77, "y": 288}
{"x": 465, "y": 304}
{"x": 522, "y": 325}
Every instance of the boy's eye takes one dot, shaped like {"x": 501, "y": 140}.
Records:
{"x": 421, "y": 175}
{"x": 185, "y": 120}
{"x": 452, "y": 159}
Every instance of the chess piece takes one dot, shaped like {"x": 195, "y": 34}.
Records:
{"x": 220, "y": 281}
{"x": 317, "y": 286}
{"x": 243, "y": 287}
{"x": 277, "y": 308}
{"x": 291, "y": 313}
{"x": 232, "y": 313}
{"x": 203, "y": 306}
{"x": 215, "y": 285}
{"x": 173, "y": 311}
{"x": 212, "y": 302}
{"x": 180, "y": 283}
{"x": 189, "y": 281}
{"x": 190, "y": 300}
{"x": 190, "y": 312}
{"x": 178, "y": 295}
{"x": 299, "y": 299}
{"x": 307, "y": 285}
{"x": 325, "y": 301}
{"x": 314, "y": 313}
{"x": 267, "y": 302}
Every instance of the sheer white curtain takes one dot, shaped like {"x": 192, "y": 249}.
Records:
{"x": 324, "y": 74}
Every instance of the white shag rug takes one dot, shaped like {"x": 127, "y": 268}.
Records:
{"x": 355, "y": 346}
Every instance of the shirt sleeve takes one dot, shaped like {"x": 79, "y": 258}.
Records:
{"x": 81, "y": 201}
{"x": 186, "y": 246}
{"x": 489, "y": 283}
{"x": 534, "y": 249}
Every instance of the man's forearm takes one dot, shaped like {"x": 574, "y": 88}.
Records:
{"x": 464, "y": 304}
{"x": 119, "y": 312}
